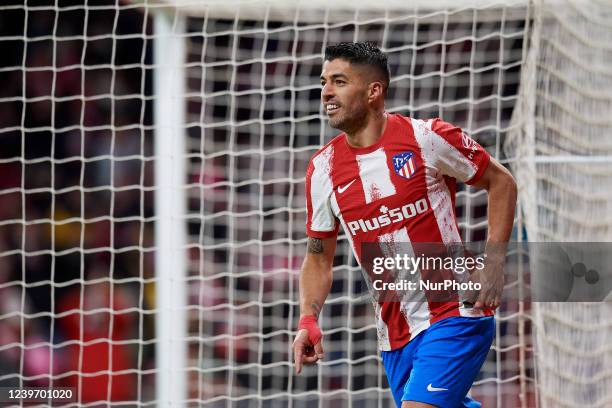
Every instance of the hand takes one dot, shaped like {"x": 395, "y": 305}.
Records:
{"x": 491, "y": 278}
{"x": 304, "y": 351}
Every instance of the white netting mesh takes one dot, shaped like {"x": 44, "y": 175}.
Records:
{"x": 566, "y": 195}
{"x": 76, "y": 213}
{"x": 77, "y": 304}
{"x": 254, "y": 119}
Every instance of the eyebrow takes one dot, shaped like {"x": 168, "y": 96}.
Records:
{"x": 334, "y": 76}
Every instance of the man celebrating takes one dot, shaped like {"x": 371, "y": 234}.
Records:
{"x": 431, "y": 350}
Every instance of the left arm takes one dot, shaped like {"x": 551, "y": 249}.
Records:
{"x": 502, "y": 193}
{"x": 501, "y": 188}
{"x": 457, "y": 155}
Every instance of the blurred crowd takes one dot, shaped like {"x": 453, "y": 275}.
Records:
{"x": 76, "y": 135}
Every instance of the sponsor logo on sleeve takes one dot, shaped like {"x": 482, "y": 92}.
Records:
{"x": 469, "y": 144}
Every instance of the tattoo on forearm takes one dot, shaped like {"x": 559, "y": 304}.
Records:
{"x": 316, "y": 309}
{"x": 315, "y": 245}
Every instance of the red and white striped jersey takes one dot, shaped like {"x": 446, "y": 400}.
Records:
{"x": 414, "y": 162}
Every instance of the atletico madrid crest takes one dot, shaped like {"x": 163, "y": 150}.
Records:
{"x": 404, "y": 164}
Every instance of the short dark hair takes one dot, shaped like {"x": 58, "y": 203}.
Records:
{"x": 360, "y": 53}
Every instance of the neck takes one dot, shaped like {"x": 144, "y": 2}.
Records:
{"x": 368, "y": 134}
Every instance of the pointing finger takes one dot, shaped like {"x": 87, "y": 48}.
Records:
{"x": 298, "y": 357}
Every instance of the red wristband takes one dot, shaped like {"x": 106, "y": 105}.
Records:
{"x": 312, "y": 326}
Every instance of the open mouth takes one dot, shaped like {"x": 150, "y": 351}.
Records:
{"x": 331, "y": 108}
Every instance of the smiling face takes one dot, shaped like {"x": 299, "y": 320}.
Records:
{"x": 345, "y": 94}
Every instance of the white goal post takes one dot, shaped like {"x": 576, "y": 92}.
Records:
{"x": 171, "y": 206}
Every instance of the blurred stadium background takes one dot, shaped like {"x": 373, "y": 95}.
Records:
{"x": 152, "y": 202}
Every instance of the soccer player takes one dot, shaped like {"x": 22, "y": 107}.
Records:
{"x": 431, "y": 351}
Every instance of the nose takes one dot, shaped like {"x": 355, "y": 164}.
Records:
{"x": 327, "y": 92}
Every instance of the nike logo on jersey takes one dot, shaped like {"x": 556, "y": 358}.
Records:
{"x": 342, "y": 189}
{"x": 434, "y": 389}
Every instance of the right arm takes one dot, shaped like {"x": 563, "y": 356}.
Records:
{"x": 316, "y": 277}
{"x": 315, "y": 284}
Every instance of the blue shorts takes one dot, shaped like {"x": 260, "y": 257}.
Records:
{"x": 439, "y": 366}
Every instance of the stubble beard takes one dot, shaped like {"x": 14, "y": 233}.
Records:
{"x": 349, "y": 123}
{"x": 336, "y": 122}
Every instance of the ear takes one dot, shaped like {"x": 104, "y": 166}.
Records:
{"x": 376, "y": 90}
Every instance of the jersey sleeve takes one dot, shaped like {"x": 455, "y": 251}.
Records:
{"x": 457, "y": 154}
{"x": 320, "y": 219}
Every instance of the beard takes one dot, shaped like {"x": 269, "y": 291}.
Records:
{"x": 349, "y": 120}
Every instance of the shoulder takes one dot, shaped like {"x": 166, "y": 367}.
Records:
{"x": 432, "y": 127}
{"x": 324, "y": 156}
{"x": 417, "y": 125}
{"x": 440, "y": 126}
{"x": 430, "y": 123}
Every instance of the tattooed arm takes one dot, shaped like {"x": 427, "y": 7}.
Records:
{"x": 315, "y": 283}
{"x": 316, "y": 276}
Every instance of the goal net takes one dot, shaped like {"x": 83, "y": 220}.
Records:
{"x": 152, "y": 188}
{"x": 254, "y": 119}
{"x": 564, "y": 163}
